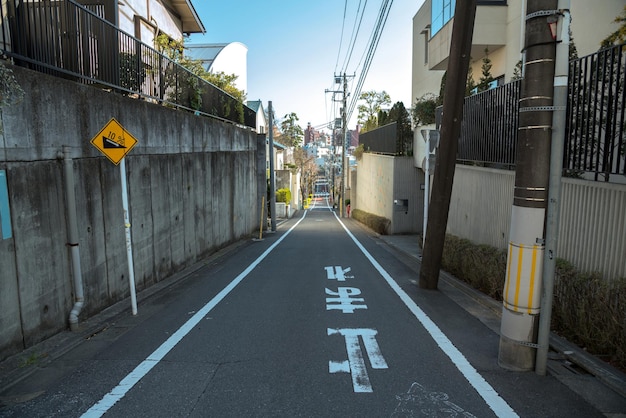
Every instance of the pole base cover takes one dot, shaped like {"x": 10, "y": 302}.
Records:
{"x": 518, "y": 337}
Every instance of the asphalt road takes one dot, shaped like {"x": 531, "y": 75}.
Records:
{"x": 318, "y": 319}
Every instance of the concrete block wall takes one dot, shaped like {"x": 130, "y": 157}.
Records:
{"x": 382, "y": 179}
{"x": 192, "y": 188}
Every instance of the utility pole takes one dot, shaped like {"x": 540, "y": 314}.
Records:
{"x": 458, "y": 63}
{"x": 344, "y": 135}
{"x": 272, "y": 202}
{"x": 344, "y": 131}
{"x": 522, "y": 287}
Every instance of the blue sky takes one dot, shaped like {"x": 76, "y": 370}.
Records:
{"x": 294, "y": 50}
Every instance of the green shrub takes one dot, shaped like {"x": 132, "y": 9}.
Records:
{"x": 587, "y": 309}
{"x": 591, "y": 312}
{"x": 481, "y": 266}
{"x": 283, "y": 195}
{"x": 379, "y": 224}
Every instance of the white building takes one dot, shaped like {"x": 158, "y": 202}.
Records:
{"x": 499, "y": 28}
{"x": 146, "y": 19}
{"x": 229, "y": 58}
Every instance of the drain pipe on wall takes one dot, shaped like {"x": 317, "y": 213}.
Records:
{"x": 72, "y": 232}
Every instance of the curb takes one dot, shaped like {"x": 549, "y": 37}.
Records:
{"x": 14, "y": 369}
{"x": 604, "y": 372}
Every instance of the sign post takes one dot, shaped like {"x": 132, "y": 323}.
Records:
{"x": 115, "y": 142}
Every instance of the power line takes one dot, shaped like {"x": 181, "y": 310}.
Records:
{"x": 355, "y": 33}
{"x": 345, "y": 7}
{"x": 376, "y": 34}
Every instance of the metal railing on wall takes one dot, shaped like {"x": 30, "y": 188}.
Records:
{"x": 595, "y": 142}
{"x": 66, "y": 39}
{"x": 390, "y": 139}
{"x": 596, "y": 115}
{"x": 489, "y": 127}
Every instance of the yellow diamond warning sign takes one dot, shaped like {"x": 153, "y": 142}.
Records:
{"x": 114, "y": 141}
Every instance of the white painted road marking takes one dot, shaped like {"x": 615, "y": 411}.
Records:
{"x": 484, "y": 389}
{"x": 337, "y": 273}
{"x": 153, "y": 359}
{"x": 355, "y": 365}
{"x": 344, "y": 299}
{"x": 420, "y": 402}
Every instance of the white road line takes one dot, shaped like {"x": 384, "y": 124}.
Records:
{"x": 356, "y": 362}
{"x": 484, "y": 389}
{"x": 118, "y": 392}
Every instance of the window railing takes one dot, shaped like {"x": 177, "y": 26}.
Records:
{"x": 65, "y": 39}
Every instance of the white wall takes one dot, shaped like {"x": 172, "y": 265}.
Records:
{"x": 592, "y": 227}
{"x": 591, "y": 22}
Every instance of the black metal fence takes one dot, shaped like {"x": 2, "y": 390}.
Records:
{"x": 66, "y": 39}
{"x": 394, "y": 138}
{"x": 595, "y": 145}
{"x": 381, "y": 140}
{"x": 596, "y": 125}
{"x": 489, "y": 127}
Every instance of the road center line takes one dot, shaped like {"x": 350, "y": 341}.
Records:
{"x": 484, "y": 389}
{"x": 118, "y": 392}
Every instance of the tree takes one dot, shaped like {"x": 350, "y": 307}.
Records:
{"x": 174, "y": 50}
{"x": 225, "y": 82}
{"x": 486, "y": 77}
{"x": 423, "y": 110}
{"x": 517, "y": 71}
{"x": 305, "y": 164}
{"x": 374, "y": 101}
{"x": 404, "y": 139}
{"x": 619, "y": 36}
{"x": 291, "y": 133}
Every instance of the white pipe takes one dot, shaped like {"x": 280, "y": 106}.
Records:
{"x": 426, "y": 184}
{"x": 72, "y": 231}
{"x": 129, "y": 242}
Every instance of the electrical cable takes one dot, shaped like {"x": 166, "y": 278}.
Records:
{"x": 382, "y": 20}
{"x": 355, "y": 33}
{"x": 345, "y": 8}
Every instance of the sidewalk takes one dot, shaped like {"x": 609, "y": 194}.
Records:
{"x": 580, "y": 371}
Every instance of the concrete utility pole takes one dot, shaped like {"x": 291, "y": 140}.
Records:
{"x": 344, "y": 122}
{"x": 272, "y": 202}
{"x": 522, "y": 288}
{"x": 458, "y": 63}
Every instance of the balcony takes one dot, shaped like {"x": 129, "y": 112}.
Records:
{"x": 490, "y": 31}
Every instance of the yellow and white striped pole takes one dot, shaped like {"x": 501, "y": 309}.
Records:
{"x": 522, "y": 289}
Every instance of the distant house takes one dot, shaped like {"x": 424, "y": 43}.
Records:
{"x": 261, "y": 118}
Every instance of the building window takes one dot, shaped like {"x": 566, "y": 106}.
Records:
{"x": 443, "y": 10}
{"x": 441, "y": 13}
{"x": 426, "y": 33}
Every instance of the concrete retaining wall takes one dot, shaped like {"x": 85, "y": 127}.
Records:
{"x": 192, "y": 186}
